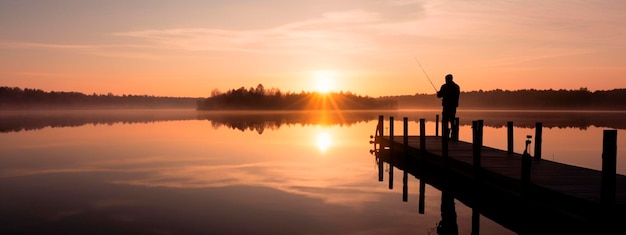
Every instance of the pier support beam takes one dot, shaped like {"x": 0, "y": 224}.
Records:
{"x": 405, "y": 175}
{"x": 437, "y": 125}
{"x": 422, "y": 193}
{"x": 509, "y": 137}
{"x": 538, "y": 130}
{"x": 455, "y": 129}
{"x": 391, "y": 129}
{"x": 609, "y": 167}
{"x": 423, "y": 137}
{"x": 609, "y": 180}
{"x": 477, "y": 145}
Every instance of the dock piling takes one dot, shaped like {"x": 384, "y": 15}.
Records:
{"x": 509, "y": 127}
{"x": 423, "y": 136}
{"x": 538, "y": 130}
{"x": 477, "y": 140}
{"x": 609, "y": 168}
{"x": 437, "y": 125}
{"x": 455, "y": 129}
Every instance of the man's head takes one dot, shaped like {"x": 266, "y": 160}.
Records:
{"x": 449, "y": 78}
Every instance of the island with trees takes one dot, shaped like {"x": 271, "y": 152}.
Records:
{"x": 259, "y": 98}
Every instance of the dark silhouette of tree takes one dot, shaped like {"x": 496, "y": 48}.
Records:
{"x": 273, "y": 99}
{"x": 524, "y": 99}
{"x": 17, "y": 98}
{"x": 262, "y": 98}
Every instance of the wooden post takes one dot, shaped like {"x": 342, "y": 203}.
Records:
{"x": 391, "y": 134}
{"x": 405, "y": 141}
{"x": 609, "y": 166}
{"x": 380, "y": 169}
{"x": 455, "y": 129}
{"x": 475, "y": 221}
{"x": 477, "y": 144}
{"x": 423, "y": 136}
{"x": 444, "y": 146}
{"x": 525, "y": 179}
{"x": 538, "y": 130}
{"x": 405, "y": 176}
{"x": 381, "y": 124}
{"x": 509, "y": 128}
{"x": 437, "y": 125}
{"x": 422, "y": 189}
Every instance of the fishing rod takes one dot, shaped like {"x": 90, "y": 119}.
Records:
{"x": 431, "y": 82}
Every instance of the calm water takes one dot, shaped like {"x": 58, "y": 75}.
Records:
{"x": 188, "y": 172}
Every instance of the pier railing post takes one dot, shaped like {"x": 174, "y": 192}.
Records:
{"x": 609, "y": 166}
{"x": 391, "y": 133}
{"x": 538, "y": 130}
{"x": 455, "y": 129}
{"x": 381, "y": 124}
{"x": 609, "y": 183}
{"x": 379, "y": 133}
{"x": 422, "y": 190}
{"x": 477, "y": 144}
{"x": 391, "y": 150}
{"x": 445, "y": 130}
{"x": 525, "y": 176}
{"x": 509, "y": 137}
{"x": 405, "y": 175}
{"x": 437, "y": 125}
{"x": 422, "y": 137}
{"x": 444, "y": 146}
{"x": 405, "y": 141}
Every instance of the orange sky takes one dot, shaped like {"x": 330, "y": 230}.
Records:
{"x": 188, "y": 48}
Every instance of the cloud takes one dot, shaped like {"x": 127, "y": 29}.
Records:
{"x": 107, "y": 50}
{"x": 331, "y": 32}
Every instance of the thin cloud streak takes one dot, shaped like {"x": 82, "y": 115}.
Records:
{"x": 331, "y": 32}
{"x": 106, "y": 50}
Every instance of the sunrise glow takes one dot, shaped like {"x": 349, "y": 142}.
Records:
{"x": 191, "y": 48}
{"x": 324, "y": 80}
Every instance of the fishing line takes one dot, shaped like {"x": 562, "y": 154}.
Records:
{"x": 431, "y": 82}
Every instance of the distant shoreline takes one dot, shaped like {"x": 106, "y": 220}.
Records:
{"x": 549, "y": 100}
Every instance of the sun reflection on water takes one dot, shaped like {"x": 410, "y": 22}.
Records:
{"x": 324, "y": 141}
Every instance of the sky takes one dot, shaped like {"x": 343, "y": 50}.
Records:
{"x": 190, "y": 48}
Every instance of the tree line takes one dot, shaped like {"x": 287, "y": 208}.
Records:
{"x": 17, "y": 98}
{"x": 562, "y": 99}
{"x": 259, "y": 98}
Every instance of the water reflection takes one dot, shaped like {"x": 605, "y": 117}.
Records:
{"x": 324, "y": 141}
{"x": 182, "y": 177}
{"x": 14, "y": 121}
{"x": 188, "y": 172}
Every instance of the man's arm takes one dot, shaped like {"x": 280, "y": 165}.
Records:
{"x": 440, "y": 92}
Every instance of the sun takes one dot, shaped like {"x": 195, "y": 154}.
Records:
{"x": 324, "y": 80}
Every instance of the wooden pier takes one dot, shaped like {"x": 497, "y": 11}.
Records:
{"x": 524, "y": 193}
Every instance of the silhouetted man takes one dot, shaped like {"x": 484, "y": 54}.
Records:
{"x": 449, "y": 92}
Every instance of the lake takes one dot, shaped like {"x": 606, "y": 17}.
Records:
{"x": 192, "y": 172}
